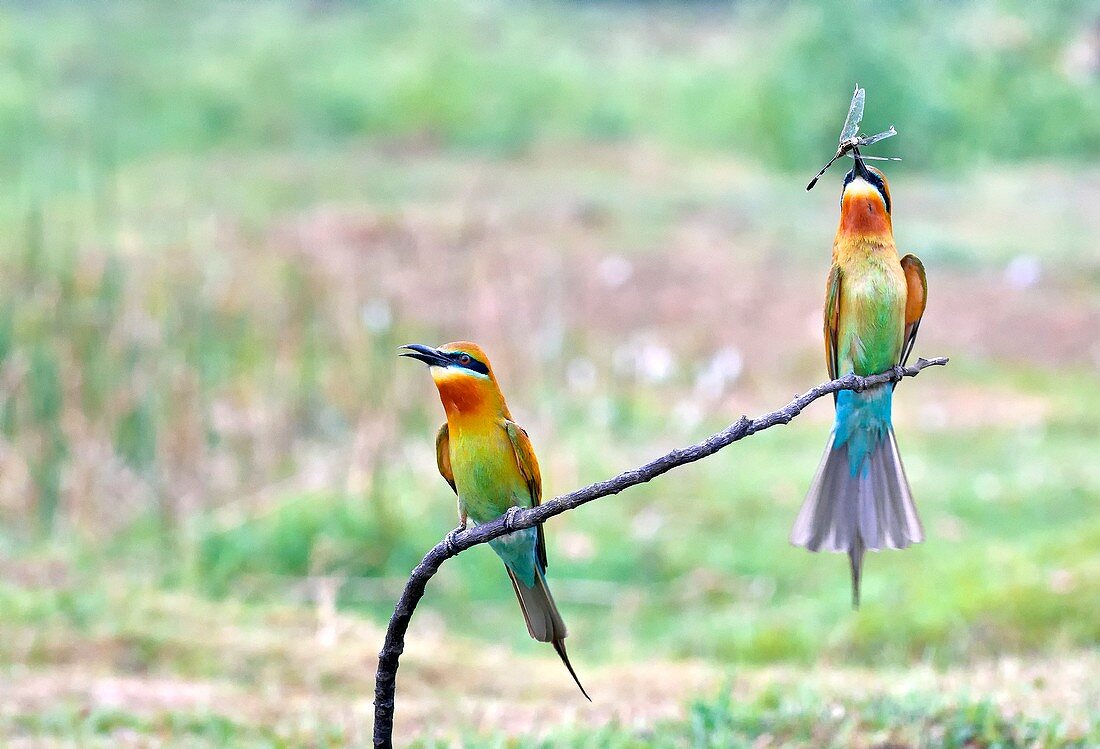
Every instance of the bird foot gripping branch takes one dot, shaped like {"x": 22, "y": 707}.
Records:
{"x": 451, "y": 540}
{"x": 510, "y": 517}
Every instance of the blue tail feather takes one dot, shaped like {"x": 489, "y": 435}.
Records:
{"x": 862, "y": 422}
{"x": 518, "y": 552}
{"x": 860, "y": 497}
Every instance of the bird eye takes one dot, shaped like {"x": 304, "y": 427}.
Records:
{"x": 464, "y": 359}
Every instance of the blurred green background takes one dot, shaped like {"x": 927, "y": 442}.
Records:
{"x": 218, "y": 221}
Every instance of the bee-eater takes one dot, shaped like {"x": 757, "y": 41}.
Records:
{"x": 860, "y": 498}
{"x": 488, "y": 460}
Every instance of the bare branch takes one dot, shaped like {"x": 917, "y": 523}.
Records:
{"x": 394, "y": 645}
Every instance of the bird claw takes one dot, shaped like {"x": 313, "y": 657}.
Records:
{"x": 510, "y": 517}
{"x": 452, "y": 537}
{"x": 899, "y": 373}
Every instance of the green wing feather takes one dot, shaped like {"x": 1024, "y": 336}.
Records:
{"x": 529, "y": 469}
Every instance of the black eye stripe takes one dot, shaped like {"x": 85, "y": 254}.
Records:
{"x": 471, "y": 363}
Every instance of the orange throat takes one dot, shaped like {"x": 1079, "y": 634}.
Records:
{"x": 863, "y": 213}
{"x": 464, "y": 395}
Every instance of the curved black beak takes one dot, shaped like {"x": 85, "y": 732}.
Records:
{"x": 431, "y": 356}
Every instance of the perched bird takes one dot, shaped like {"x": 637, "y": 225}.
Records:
{"x": 488, "y": 460}
{"x": 860, "y": 498}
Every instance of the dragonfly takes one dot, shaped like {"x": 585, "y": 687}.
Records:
{"x": 850, "y": 139}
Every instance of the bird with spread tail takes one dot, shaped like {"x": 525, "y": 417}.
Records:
{"x": 860, "y": 497}
{"x": 489, "y": 463}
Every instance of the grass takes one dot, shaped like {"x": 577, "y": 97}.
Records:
{"x": 139, "y": 664}
{"x": 222, "y": 429}
{"x": 803, "y": 720}
{"x": 219, "y": 222}
{"x": 922, "y": 720}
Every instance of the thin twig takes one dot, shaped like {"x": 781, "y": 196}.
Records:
{"x": 394, "y": 645}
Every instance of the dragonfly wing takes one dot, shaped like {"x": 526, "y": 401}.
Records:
{"x": 870, "y": 140}
{"x": 855, "y": 115}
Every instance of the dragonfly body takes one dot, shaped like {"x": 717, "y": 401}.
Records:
{"x": 850, "y": 141}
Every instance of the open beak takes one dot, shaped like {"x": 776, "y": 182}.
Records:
{"x": 430, "y": 356}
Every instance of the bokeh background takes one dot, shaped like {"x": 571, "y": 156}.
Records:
{"x": 218, "y": 221}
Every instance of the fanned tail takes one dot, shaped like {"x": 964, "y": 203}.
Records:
{"x": 855, "y": 506}
{"x": 544, "y": 623}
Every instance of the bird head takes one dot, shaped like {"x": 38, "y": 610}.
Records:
{"x": 865, "y": 202}
{"x": 463, "y": 376}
